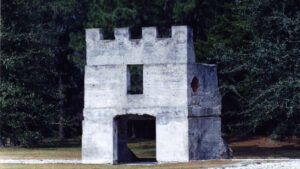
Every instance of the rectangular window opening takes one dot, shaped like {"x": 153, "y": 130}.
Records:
{"x": 134, "y": 79}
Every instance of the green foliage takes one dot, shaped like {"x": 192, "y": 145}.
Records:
{"x": 254, "y": 42}
{"x": 259, "y": 73}
{"x": 33, "y": 59}
{"x": 197, "y": 14}
{"x": 24, "y": 68}
{"x": 274, "y": 73}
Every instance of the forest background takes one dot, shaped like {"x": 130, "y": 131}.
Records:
{"x": 255, "y": 43}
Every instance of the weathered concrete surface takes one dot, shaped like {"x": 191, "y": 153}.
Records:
{"x": 182, "y": 96}
{"x": 205, "y": 141}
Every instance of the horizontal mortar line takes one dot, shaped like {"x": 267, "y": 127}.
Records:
{"x": 202, "y": 116}
{"x": 179, "y": 107}
{"x": 180, "y": 63}
{"x": 150, "y": 107}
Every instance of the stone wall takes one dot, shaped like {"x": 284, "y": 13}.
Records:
{"x": 187, "y": 122}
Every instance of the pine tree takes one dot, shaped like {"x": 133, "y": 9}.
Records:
{"x": 36, "y": 71}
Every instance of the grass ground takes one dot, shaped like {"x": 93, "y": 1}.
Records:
{"x": 247, "y": 147}
{"x": 40, "y": 153}
{"x": 264, "y": 147}
{"x": 190, "y": 165}
{"x": 242, "y": 147}
{"x": 143, "y": 149}
{"x": 49, "y": 149}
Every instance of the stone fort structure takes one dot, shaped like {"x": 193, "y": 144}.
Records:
{"x": 179, "y": 94}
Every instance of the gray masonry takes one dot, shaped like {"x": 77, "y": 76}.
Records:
{"x": 181, "y": 95}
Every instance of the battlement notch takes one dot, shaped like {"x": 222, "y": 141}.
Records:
{"x": 179, "y": 33}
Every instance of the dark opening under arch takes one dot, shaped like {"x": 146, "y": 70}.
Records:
{"x": 134, "y": 138}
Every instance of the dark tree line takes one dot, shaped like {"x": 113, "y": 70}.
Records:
{"x": 41, "y": 87}
{"x": 254, "y": 42}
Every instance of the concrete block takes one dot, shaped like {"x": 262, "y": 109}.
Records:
{"x": 179, "y": 94}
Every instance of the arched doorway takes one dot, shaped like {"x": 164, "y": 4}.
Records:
{"x": 134, "y": 138}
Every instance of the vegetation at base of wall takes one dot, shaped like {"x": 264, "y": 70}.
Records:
{"x": 254, "y": 42}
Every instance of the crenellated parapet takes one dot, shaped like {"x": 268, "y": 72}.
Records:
{"x": 180, "y": 96}
{"x": 148, "y": 50}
